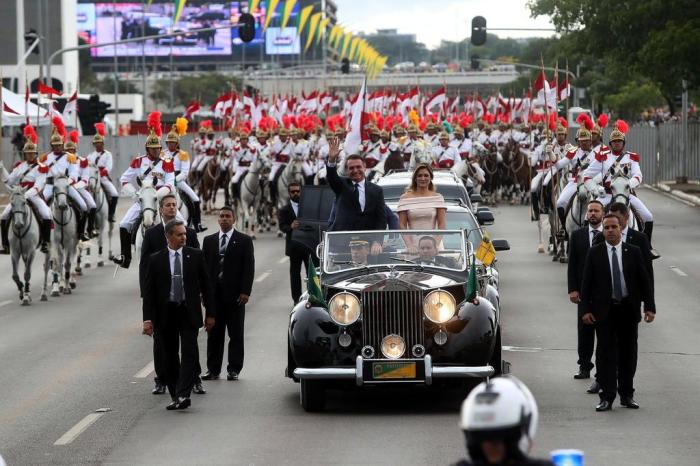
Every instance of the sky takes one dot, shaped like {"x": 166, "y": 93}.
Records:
{"x": 436, "y": 20}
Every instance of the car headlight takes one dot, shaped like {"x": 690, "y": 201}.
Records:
{"x": 439, "y": 306}
{"x": 393, "y": 346}
{"x": 344, "y": 308}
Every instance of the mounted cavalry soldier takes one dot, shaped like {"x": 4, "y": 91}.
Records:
{"x": 444, "y": 155}
{"x": 103, "y": 160}
{"x": 541, "y": 159}
{"x": 373, "y": 150}
{"x": 181, "y": 164}
{"x": 597, "y": 134}
{"x": 302, "y": 151}
{"x": 577, "y": 159}
{"x": 206, "y": 149}
{"x": 31, "y": 175}
{"x": 462, "y": 145}
{"x": 64, "y": 164}
{"x": 282, "y": 150}
{"x": 606, "y": 163}
{"x": 244, "y": 155}
{"x": 161, "y": 170}
{"x": 71, "y": 146}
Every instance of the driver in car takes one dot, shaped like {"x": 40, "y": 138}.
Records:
{"x": 428, "y": 253}
{"x": 359, "y": 251}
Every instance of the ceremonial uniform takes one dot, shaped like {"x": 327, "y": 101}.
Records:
{"x": 463, "y": 147}
{"x": 374, "y": 152}
{"x": 282, "y": 152}
{"x": 243, "y": 156}
{"x": 444, "y": 155}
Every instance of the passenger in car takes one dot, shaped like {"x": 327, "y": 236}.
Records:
{"x": 428, "y": 253}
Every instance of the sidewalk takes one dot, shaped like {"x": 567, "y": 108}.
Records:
{"x": 689, "y": 191}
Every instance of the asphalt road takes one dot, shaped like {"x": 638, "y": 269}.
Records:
{"x": 65, "y": 359}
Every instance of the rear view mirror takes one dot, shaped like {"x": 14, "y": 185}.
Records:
{"x": 500, "y": 244}
{"x": 484, "y": 217}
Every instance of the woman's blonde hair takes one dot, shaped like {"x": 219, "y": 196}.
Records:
{"x": 414, "y": 186}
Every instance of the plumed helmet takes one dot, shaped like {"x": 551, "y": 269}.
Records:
{"x": 583, "y": 134}
{"x": 444, "y": 136}
{"x": 261, "y": 134}
{"x": 155, "y": 130}
{"x": 384, "y": 134}
{"x": 618, "y": 134}
{"x": 29, "y": 148}
{"x": 71, "y": 145}
{"x": 172, "y": 136}
{"x": 99, "y": 133}
{"x": 284, "y": 131}
{"x": 412, "y": 129}
{"x": 501, "y": 409}
{"x": 561, "y": 130}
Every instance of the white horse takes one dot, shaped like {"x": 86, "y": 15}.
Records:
{"x": 149, "y": 210}
{"x": 24, "y": 241}
{"x": 292, "y": 172}
{"x": 251, "y": 195}
{"x": 85, "y": 250}
{"x": 576, "y": 216}
{"x": 64, "y": 239}
{"x": 422, "y": 154}
{"x": 621, "y": 192}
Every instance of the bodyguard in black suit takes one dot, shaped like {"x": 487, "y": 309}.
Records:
{"x": 176, "y": 285}
{"x": 359, "y": 204}
{"x": 231, "y": 265}
{"x": 154, "y": 241}
{"x": 579, "y": 244}
{"x": 615, "y": 282}
{"x": 298, "y": 254}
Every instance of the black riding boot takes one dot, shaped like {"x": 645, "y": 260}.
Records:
{"x": 91, "y": 232}
{"x": 112, "y": 208}
{"x": 197, "y": 218}
{"x": 236, "y": 190}
{"x": 45, "y": 235}
{"x": 124, "y": 259}
{"x": 5, "y": 229}
{"x": 535, "y": 211}
{"x": 82, "y": 220}
{"x": 561, "y": 211}
{"x": 648, "y": 228}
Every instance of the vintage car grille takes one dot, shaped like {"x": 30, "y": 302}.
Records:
{"x": 387, "y": 312}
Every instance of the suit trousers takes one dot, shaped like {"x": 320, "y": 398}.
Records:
{"x": 159, "y": 362}
{"x": 229, "y": 317}
{"x": 616, "y": 354}
{"x": 178, "y": 372}
{"x": 295, "y": 261}
{"x": 586, "y": 342}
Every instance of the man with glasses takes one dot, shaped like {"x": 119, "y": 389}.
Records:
{"x": 298, "y": 253}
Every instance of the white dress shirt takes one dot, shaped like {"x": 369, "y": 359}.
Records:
{"x": 361, "y": 189}
{"x": 624, "y": 235}
{"x": 591, "y": 230}
{"x": 171, "y": 256}
{"x": 618, "y": 251}
{"x": 295, "y": 207}
{"x": 227, "y": 234}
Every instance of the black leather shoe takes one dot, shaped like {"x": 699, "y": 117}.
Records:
{"x": 628, "y": 402}
{"x": 180, "y": 403}
{"x": 594, "y": 389}
{"x": 172, "y": 406}
{"x": 159, "y": 389}
{"x": 604, "y": 405}
{"x": 582, "y": 374}
{"x": 198, "y": 389}
{"x": 210, "y": 376}
{"x": 232, "y": 375}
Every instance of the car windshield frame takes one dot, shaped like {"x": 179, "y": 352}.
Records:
{"x": 336, "y": 245}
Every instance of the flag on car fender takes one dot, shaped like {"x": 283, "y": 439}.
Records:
{"x": 313, "y": 285}
{"x": 486, "y": 253}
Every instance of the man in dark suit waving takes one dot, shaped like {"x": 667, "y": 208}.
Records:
{"x": 615, "y": 282}
{"x": 153, "y": 241}
{"x": 176, "y": 284}
{"x": 359, "y": 204}
{"x": 231, "y": 265}
{"x": 579, "y": 244}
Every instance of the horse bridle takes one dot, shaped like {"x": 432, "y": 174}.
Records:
{"x": 25, "y": 212}
{"x": 69, "y": 209}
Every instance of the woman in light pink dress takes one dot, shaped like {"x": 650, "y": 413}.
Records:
{"x": 421, "y": 207}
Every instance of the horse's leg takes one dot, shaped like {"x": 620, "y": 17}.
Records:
{"x": 540, "y": 235}
{"x": 100, "y": 246}
{"x": 56, "y": 262}
{"x": 15, "y": 274}
{"x": 78, "y": 268}
{"x": 27, "y": 297}
{"x": 70, "y": 281}
{"x": 45, "y": 289}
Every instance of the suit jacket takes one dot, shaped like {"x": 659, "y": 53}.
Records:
{"x": 285, "y": 217}
{"x": 348, "y": 215}
{"x": 641, "y": 240}
{"x": 579, "y": 245}
{"x": 596, "y": 288}
{"x": 153, "y": 241}
{"x": 239, "y": 265}
{"x": 156, "y": 291}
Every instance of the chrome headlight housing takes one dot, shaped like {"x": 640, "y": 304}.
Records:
{"x": 439, "y": 306}
{"x": 344, "y": 308}
{"x": 393, "y": 346}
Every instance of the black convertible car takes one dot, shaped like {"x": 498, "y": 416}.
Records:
{"x": 395, "y": 317}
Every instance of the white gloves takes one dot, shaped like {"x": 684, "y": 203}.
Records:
{"x": 30, "y": 193}
{"x": 162, "y": 191}
{"x": 181, "y": 177}
{"x": 634, "y": 182}
{"x": 128, "y": 190}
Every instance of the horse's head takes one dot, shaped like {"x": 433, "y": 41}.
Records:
{"x": 149, "y": 202}
{"x": 620, "y": 188}
{"x": 60, "y": 192}
{"x": 94, "y": 179}
{"x": 18, "y": 204}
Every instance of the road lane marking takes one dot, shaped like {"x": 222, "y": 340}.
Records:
{"x": 678, "y": 271}
{"x": 521, "y": 349}
{"x": 146, "y": 371}
{"x": 5, "y": 303}
{"x": 283, "y": 260}
{"x": 78, "y": 429}
{"x": 262, "y": 277}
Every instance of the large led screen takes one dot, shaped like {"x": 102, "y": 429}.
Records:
{"x": 282, "y": 42}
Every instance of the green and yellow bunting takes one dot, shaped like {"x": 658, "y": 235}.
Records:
{"x": 287, "y": 11}
{"x": 271, "y": 8}
{"x": 304, "y": 17}
{"x": 313, "y": 24}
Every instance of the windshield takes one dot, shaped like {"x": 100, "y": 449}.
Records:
{"x": 431, "y": 248}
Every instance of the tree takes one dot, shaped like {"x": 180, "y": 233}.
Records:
{"x": 205, "y": 88}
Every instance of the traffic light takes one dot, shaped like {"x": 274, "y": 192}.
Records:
{"x": 246, "y": 27}
{"x": 478, "y": 30}
{"x": 345, "y": 66}
{"x": 91, "y": 111}
{"x": 29, "y": 38}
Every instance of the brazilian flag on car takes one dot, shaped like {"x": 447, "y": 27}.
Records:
{"x": 313, "y": 285}
{"x": 471, "y": 286}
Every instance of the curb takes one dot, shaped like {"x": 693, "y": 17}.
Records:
{"x": 695, "y": 200}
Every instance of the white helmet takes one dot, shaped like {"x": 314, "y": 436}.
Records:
{"x": 501, "y": 409}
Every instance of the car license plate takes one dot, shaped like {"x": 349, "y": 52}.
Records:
{"x": 393, "y": 370}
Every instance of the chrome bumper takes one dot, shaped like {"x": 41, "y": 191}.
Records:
{"x": 431, "y": 372}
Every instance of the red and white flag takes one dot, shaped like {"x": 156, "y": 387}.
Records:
{"x": 437, "y": 98}
{"x": 71, "y": 106}
{"x": 192, "y": 109}
{"x": 48, "y": 90}
{"x": 546, "y": 96}
{"x": 354, "y": 137}
{"x": 564, "y": 89}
